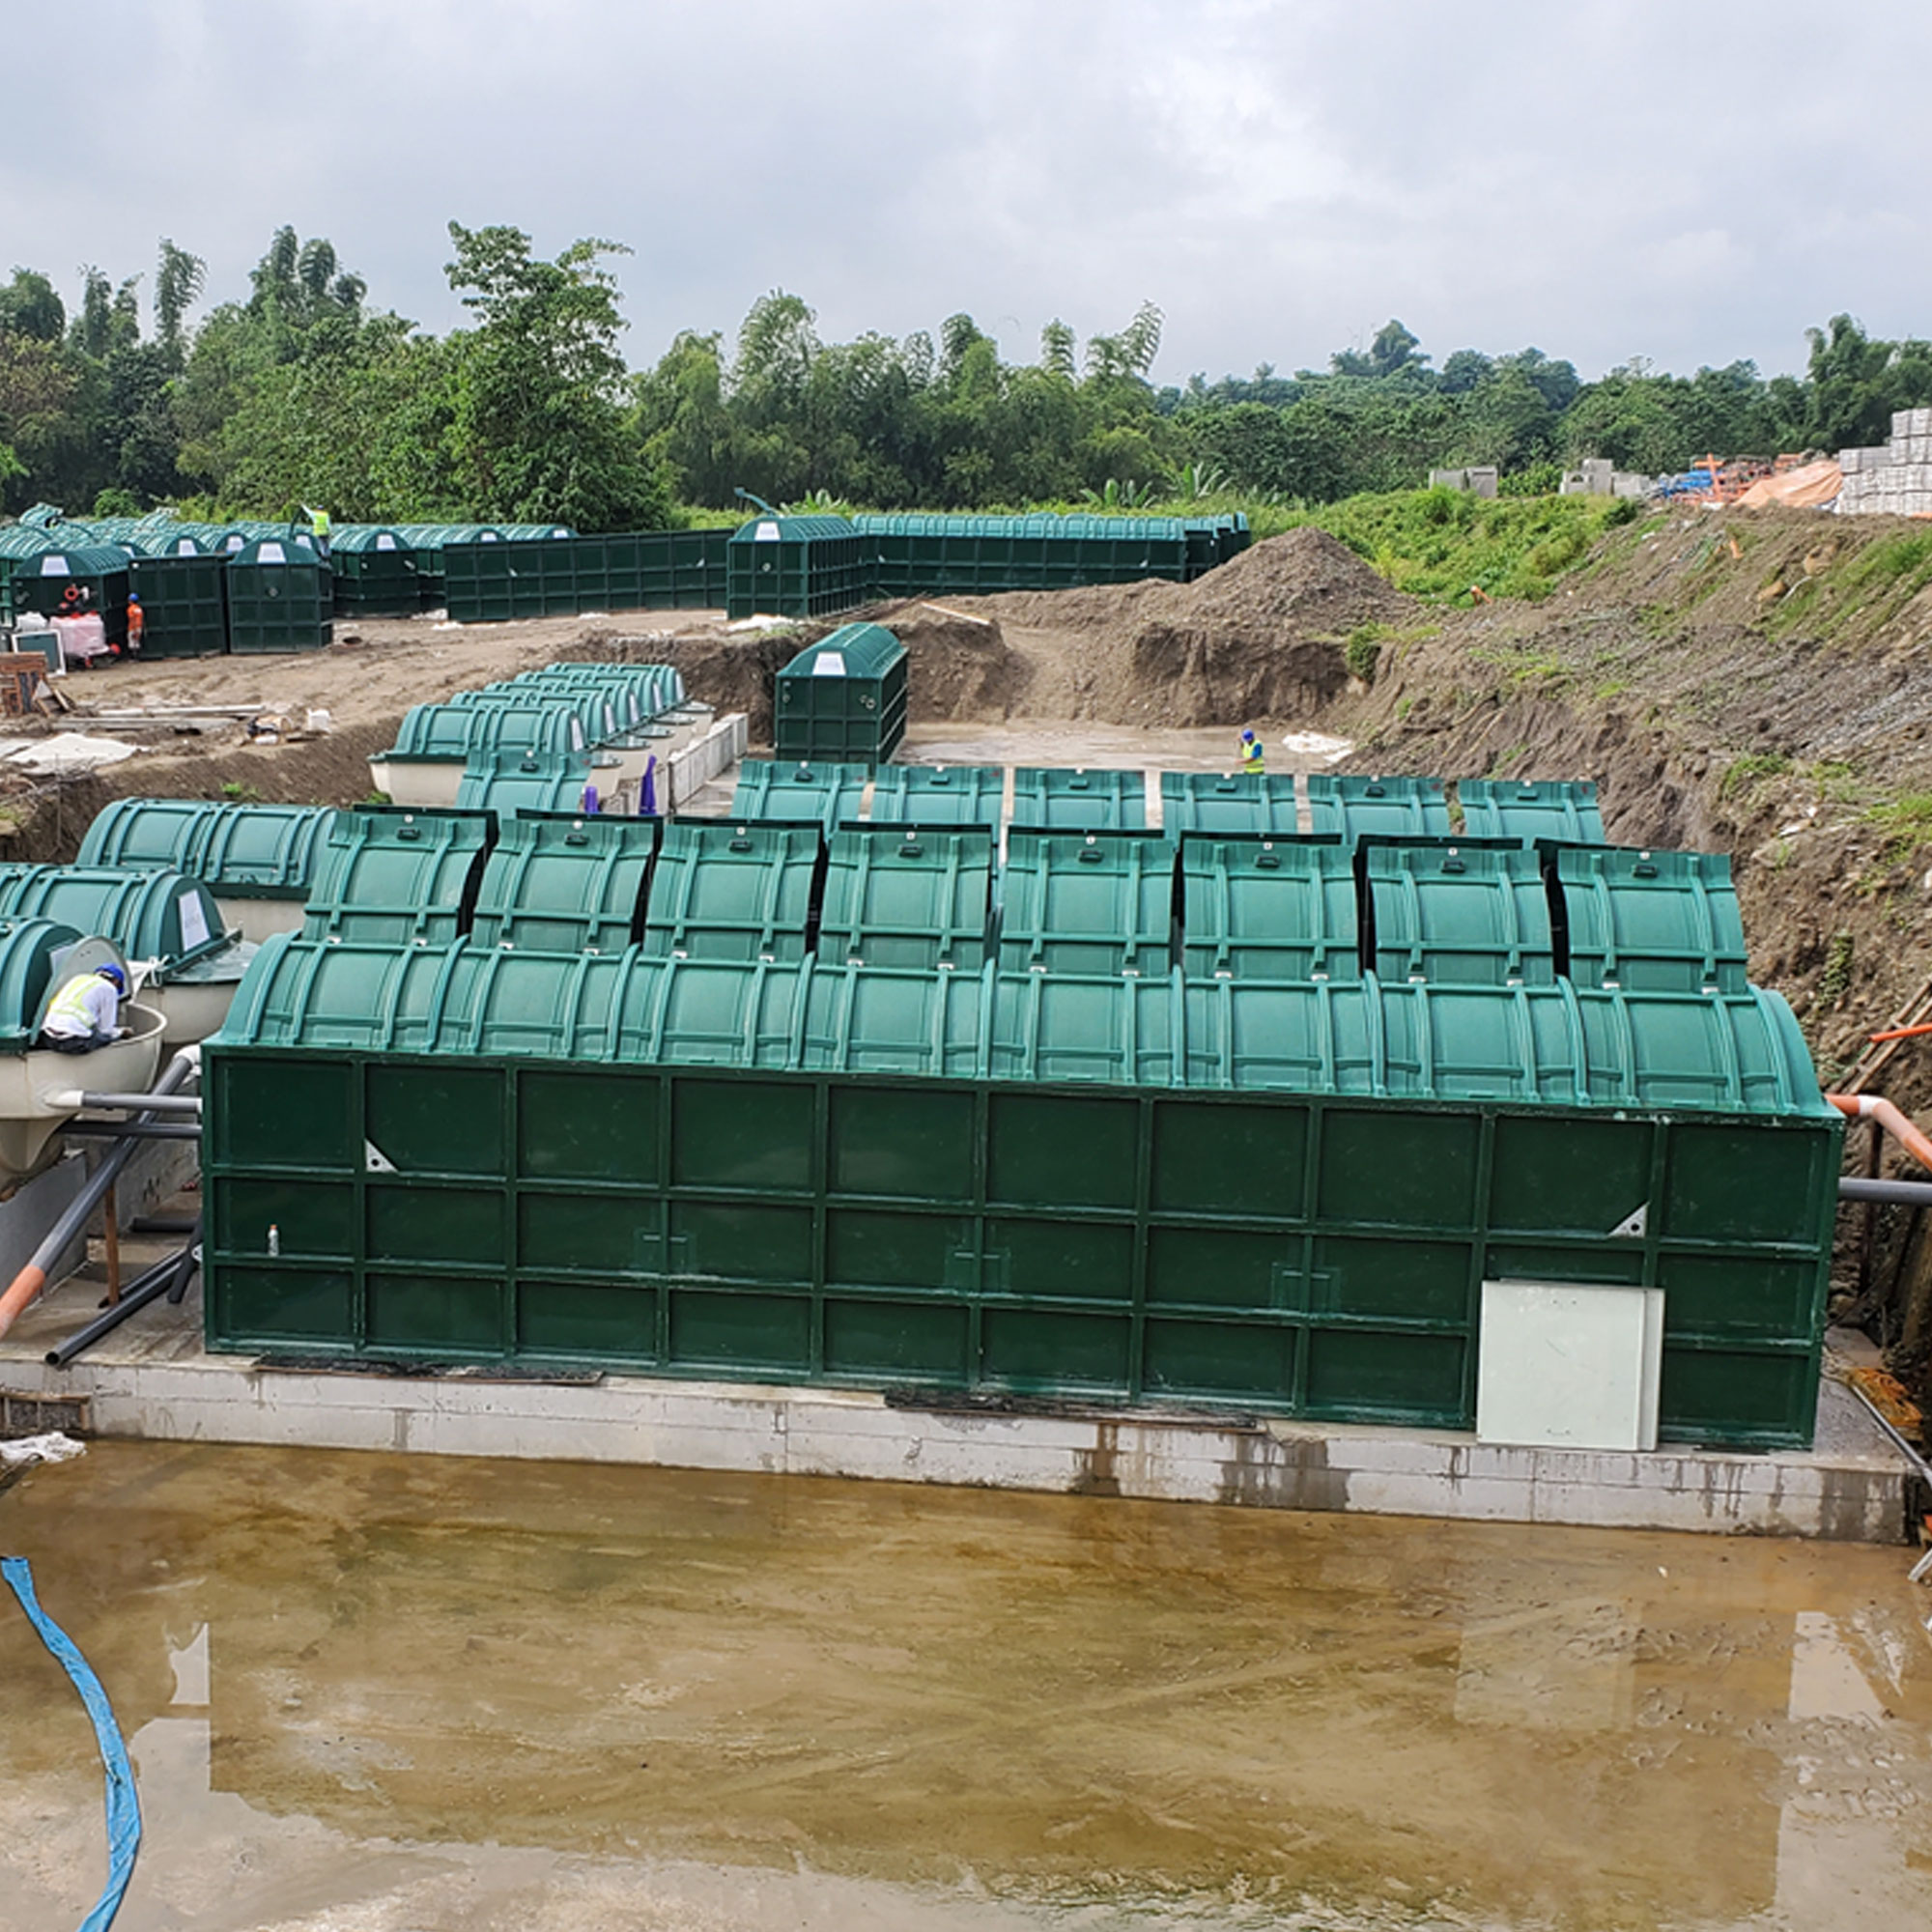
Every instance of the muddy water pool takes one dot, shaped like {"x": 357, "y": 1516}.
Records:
{"x": 384, "y": 1692}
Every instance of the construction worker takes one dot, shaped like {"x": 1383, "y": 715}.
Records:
{"x": 86, "y": 1012}
{"x": 1254, "y": 753}
{"x": 137, "y": 622}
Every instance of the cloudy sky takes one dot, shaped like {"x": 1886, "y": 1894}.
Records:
{"x": 1684, "y": 182}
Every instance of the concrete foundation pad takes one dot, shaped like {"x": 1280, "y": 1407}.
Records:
{"x": 152, "y": 1380}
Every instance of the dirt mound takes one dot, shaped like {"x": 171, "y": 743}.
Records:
{"x": 1258, "y": 639}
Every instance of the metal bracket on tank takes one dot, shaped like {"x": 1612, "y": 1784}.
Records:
{"x": 375, "y": 1160}
{"x": 1634, "y": 1227}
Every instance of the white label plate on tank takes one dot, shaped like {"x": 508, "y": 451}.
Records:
{"x": 194, "y": 922}
{"x": 1569, "y": 1365}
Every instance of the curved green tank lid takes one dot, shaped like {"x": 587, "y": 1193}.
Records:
{"x": 504, "y": 785}
{"x": 451, "y": 733}
{"x": 566, "y": 883}
{"x": 162, "y": 917}
{"x": 394, "y": 873}
{"x": 28, "y": 948}
{"x": 238, "y": 851}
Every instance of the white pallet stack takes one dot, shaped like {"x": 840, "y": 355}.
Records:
{"x": 1894, "y": 479}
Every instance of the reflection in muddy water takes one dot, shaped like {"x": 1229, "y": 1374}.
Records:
{"x": 383, "y": 1692}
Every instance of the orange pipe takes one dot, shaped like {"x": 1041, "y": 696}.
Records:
{"x": 27, "y": 1284}
{"x": 1898, "y": 1033}
{"x": 1859, "y": 1107}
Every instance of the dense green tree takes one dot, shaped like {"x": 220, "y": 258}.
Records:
{"x": 30, "y": 306}
{"x": 539, "y": 426}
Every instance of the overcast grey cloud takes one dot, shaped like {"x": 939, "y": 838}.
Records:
{"x": 1281, "y": 175}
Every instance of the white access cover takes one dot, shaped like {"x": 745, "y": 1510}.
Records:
{"x": 1569, "y": 1365}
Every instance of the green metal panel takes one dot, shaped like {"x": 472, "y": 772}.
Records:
{"x": 908, "y": 895}
{"x": 279, "y": 597}
{"x": 1353, "y": 805}
{"x": 919, "y": 554}
{"x": 504, "y": 783}
{"x": 374, "y": 572}
{"x": 566, "y": 884}
{"x": 29, "y": 951}
{"x": 1079, "y": 800}
{"x": 1228, "y": 802}
{"x": 1531, "y": 809}
{"x": 798, "y": 792}
{"x": 939, "y": 795}
{"x": 183, "y": 604}
{"x": 157, "y": 916}
{"x": 843, "y": 697}
{"x": 726, "y": 889}
{"x": 1087, "y": 902}
{"x": 1299, "y": 1255}
{"x": 1263, "y": 908}
{"x": 1650, "y": 921}
{"x": 521, "y": 572}
{"x": 796, "y": 567}
{"x": 1458, "y": 914}
{"x": 398, "y": 875}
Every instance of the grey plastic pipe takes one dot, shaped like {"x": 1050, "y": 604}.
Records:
{"x": 1905, "y": 1193}
{"x": 33, "y": 1277}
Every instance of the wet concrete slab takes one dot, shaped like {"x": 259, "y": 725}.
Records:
{"x": 382, "y": 1692}
{"x": 151, "y": 1379}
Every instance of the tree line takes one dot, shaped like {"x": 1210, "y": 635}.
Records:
{"x": 301, "y": 392}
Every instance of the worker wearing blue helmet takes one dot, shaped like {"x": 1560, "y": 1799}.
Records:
{"x": 1253, "y": 754}
{"x": 86, "y": 1012}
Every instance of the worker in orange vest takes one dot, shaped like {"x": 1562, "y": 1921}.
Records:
{"x": 138, "y": 623}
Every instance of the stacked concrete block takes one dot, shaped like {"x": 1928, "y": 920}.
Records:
{"x": 1479, "y": 480}
{"x": 1896, "y": 478}
{"x": 1599, "y": 476}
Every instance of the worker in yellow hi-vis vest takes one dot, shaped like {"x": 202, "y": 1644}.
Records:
{"x": 1254, "y": 753}
{"x": 86, "y": 1012}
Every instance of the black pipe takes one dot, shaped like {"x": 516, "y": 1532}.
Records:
{"x": 132, "y": 1130}
{"x": 1904, "y": 1193}
{"x": 150, "y": 1285}
{"x": 191, "y": 1259}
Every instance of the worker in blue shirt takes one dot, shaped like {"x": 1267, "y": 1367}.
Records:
{"x": 1253, "y": 754}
